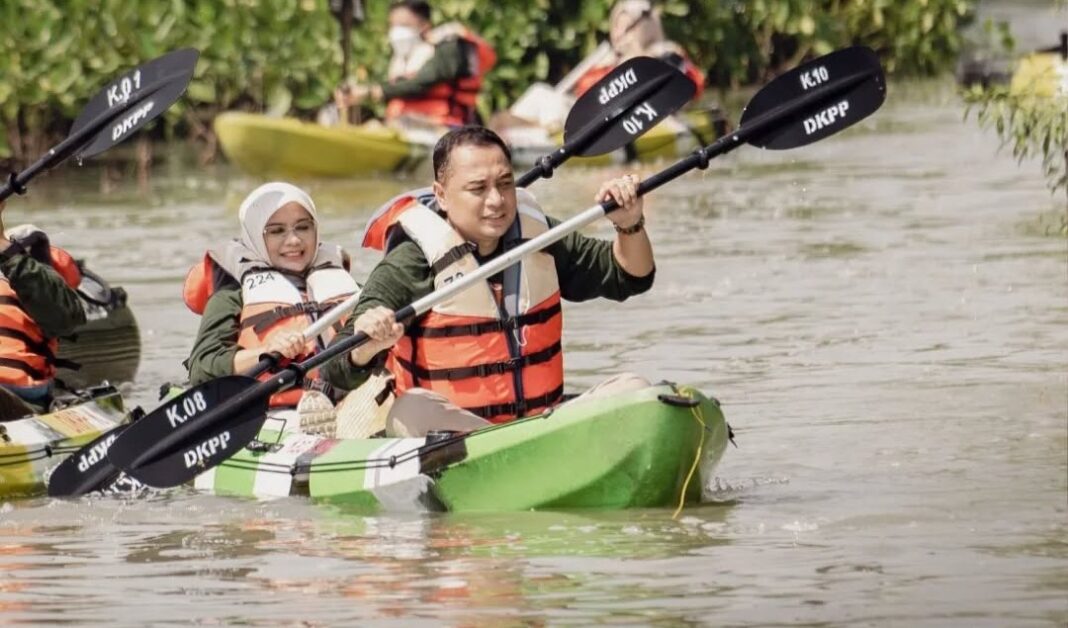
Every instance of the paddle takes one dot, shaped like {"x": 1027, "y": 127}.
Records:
{"x": 648, "y": 85}
{"x": 627, "y": 102}
{"x": 211, "y": 422}
{"x": 137, "y": 97}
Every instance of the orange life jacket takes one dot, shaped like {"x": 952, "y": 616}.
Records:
{"x": 27, "y": 356}
{"x": 271, "y": 302}
{"x": 452, "y": 102}
{"x": 496, "y": 356}
{"x": 667, "y": 52}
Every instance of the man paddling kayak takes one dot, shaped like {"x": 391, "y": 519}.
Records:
{"x": 492, "y": 353}
{"x": 38, "y": 304}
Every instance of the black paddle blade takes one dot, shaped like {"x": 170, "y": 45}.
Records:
{"x": 151, "y": 88}
{"x": 220, "y": 432}
{"x": 630, "y": 100}
{"x": 86, "y": 470}
{"x": 838, "y": 90}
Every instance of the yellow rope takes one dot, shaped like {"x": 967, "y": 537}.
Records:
{"x": 696, "y": 411}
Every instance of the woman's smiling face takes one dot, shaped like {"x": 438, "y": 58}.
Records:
{"x": 290, "y": 238}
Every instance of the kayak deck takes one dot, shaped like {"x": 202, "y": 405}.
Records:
{"x": 642, "y": 449}
{"x": 32, "y": 446}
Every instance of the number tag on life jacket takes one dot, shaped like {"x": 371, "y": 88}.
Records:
{"x": 268, "y": 287}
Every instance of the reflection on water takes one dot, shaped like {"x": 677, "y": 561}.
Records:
{"x": 881, "y": 314}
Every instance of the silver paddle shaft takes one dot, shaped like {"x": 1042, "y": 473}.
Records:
{"x": 504, "y": 260}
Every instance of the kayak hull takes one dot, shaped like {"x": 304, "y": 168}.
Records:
{"x": 286, "y": 147}
{"x": 107, "y": 348}
{"x": 32, "y": 446}
{"x": 647, "y": 448}
{"x": 1041, "y": 75}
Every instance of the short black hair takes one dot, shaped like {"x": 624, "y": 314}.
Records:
{"x": 418, "y": 7}
{"x": 469, "y": 135}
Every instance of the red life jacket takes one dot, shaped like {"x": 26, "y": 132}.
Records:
{"x": 499, "y": 358}
{"x": 665, "y": 51}
{"x": 27, "y": 356}
{"x": 452, "y": 102}
{"x": 271, "y": 302}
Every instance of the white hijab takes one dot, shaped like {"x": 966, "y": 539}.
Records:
{"x": 250, "y": 251}
{"x": 258, "y": 208}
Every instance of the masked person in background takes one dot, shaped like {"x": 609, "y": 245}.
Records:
{"x": 38, "y": 304}
{"x": 435, "y": 73}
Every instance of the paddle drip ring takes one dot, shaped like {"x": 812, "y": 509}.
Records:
{"x": 702, "y": 158}
{"x": 545, "y": 167}
{"x": 13, "y": 183}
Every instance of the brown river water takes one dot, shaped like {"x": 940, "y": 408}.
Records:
{"x": 884, "y": 316}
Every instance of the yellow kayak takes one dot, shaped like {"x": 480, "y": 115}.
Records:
{"x": 286, "y": 147}
{"x": 1042, "y": 75}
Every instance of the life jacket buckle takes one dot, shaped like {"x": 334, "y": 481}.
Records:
{"x": 498, "y": 368}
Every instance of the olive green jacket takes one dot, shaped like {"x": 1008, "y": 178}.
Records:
{"x": 42, "y": 293}
{"x": 585, "y": 267}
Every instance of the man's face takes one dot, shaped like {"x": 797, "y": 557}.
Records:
{"x": 477, "y": 192}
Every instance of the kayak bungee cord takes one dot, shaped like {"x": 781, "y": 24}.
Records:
{"x": 700, "y": 417}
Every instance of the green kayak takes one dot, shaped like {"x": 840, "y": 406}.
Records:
{"x": 649, "y": 448}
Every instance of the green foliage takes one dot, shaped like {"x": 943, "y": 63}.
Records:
{"x": 56, "y": 54}
{"x": 736, "y": 41}
{"x": 745, "y": 40}
{"x": 284, "y": 54}
{"x": 1032, "y": 126}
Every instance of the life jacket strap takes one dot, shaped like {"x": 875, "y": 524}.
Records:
{"x": 519, "y": 408}
{"x": 19, "y": 365}
{"x": 495, "y": 326}
{"x": 264, "y": 320}
{"x": 482, "y": 370}
{"x": 452, "y": 256}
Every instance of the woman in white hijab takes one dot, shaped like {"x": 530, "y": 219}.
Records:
{"x": 259, "y": 292}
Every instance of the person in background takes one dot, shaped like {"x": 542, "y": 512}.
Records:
{"x": 38, "y": 304}
{"x": 634, "y": 31}
{"x": 435, "y": 74}
{"x": 493, "y": 352}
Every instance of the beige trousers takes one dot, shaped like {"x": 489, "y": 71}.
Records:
{"x": 419, "y": 410}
